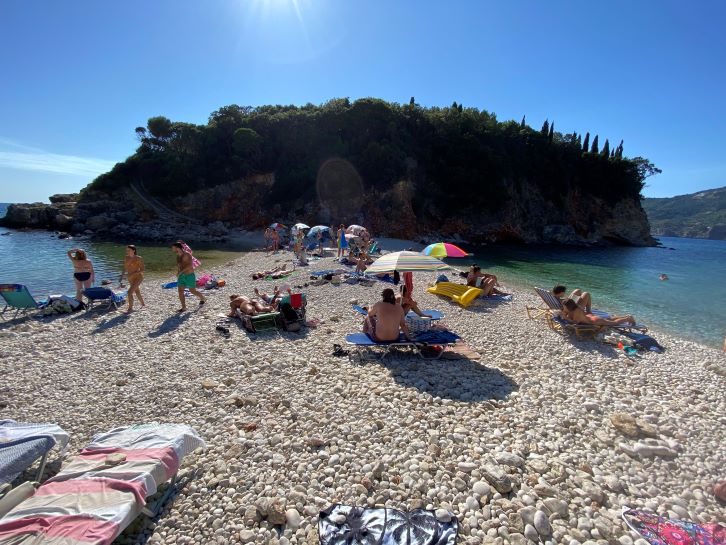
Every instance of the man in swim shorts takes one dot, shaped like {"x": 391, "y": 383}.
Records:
{"x": 386, "y": 319}
{"x": 185, "y": 276}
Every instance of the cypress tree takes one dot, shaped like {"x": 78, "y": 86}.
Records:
{"x": 455, "y": 106}
{"x": 619, "y": 150}
{"x": 606, "y": 149}
{"x": 412, "y": 102}
{"x": 551, "y": 134}
{"x": 545, "y": 128}
{"x": 595, "y": 147}
{"x": 612, "y": 154}
{"x": 522, "y": 124}
{"x": 586, "y": 143}
{"x": 579, "y": 141}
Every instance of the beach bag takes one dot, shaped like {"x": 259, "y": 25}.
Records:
{"x": 441, "y": 278}
{"x": 418, "y": 324}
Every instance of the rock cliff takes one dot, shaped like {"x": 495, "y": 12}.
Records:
{"x": 208, "y": 214}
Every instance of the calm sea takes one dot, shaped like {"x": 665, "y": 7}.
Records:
{"x": 38, "y": 259}
{"x": 692, "y": 303}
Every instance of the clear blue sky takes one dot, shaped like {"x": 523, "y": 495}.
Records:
{"x": 77, "y": 77}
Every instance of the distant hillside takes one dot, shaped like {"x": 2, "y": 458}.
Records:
{"x": 698, "y": 215}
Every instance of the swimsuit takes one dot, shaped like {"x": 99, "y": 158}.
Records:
{"x": 82, "y": 276}
{"x": 187, "y": 280}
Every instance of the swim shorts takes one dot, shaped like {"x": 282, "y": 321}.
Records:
{"x": 187, "y": 280}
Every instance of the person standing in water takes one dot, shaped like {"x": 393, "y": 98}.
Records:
{"x": 134, "y": 270}
{"x": 185, "y": 275}
{"x": 83, "y": 273}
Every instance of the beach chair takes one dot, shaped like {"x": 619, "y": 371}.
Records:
{"x": 104, "y": 488}
{"x": 104, "y": 297}
{"x": 292, "y": 310}
{"x": 365, "y": 348}
{"x": 17, "y": 297}
{"x": 458, "y": 293}
{"x": 552, "y": 304}
{"x": 260, "y": 322}
{"x": 21, "y": 444}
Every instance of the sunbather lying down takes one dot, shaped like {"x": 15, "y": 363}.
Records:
{"x": 573, "y": 312}
{"x": 239, "y": 304}
{"x": 277, "y": 272}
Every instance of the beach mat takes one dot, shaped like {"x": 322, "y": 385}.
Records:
{"x": 344, "y": 524}
{"x": 658, "y": 530}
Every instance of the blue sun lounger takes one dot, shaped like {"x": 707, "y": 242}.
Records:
{"x": 19, "y": 298}
{"x": 22, "y": 444}
{"x": 104, "y": 296}
{"x": 361, "y": 342}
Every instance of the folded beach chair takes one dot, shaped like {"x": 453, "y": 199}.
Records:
{"x": 260, "y": 322}
{"x": 22, "y": 444}
{"x": 363, "y": 345}
{"x": 104, "y": 488}
{"x": 349, "y": 524}
{"x": 458, "y": 293}
{"x": 105, "y": 297}
{"x": 17, "y": 297}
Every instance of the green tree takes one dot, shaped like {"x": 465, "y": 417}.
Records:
{"x": 586, "y": 143}
{"x": 594, "y": 148}
{"x": 551, "y": 134}
{"x": 523, "y": 124}
{"x": 545, "y": 128}
{"x": 619, "y": 150}
{"x": 159, "y": 126}
{"x": 606, "y": 149}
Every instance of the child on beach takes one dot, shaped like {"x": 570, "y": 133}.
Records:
{"x": 83, "y": 273}
{"x": 185, "y": 275}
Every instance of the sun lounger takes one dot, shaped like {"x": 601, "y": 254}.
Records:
{"x": 555, "y": 321}
{"x": 344, "y": 524}
{"x": 17, "y": 297}
{"x": 104, "y": 488}
{"x": 362, "y": 342}
{"x": 458, "y": 293}
{"x": 22, "y": 444}
{"x": 105, "y": 297}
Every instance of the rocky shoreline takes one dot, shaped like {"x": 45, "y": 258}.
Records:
{"x": 540, "y": 439}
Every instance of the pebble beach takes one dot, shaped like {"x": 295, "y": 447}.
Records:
{"x": 532, "y": 438}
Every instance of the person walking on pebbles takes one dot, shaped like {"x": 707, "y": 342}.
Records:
{"x": 134, "y": 270}
{"x": 185, "y": 275}
{"x": 83, "y": 273}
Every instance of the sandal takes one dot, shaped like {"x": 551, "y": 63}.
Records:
{"x": 338, "y": 351}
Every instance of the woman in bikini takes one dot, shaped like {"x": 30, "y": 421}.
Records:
{"x": 408, "y": 303}
{"x": 573, "y": 312}
{"x": 83, "y": 274}
{"x": 134, "y": 270}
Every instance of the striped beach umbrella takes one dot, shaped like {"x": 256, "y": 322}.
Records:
{"x": 299, "y": 227}
{"x": 317, "y": 229}
{"x": 406, "y": 262}
{"x": 444, "y": 249}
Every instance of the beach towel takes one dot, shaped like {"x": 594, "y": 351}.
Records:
{"x": 644, "y": 342}
{"x": 408, "y": 282}
{"x": 195, "y": 261}
{"x": 343, "y": 524}
{"x": 662, "y": 531}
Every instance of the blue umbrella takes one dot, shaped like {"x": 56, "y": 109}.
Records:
{"x": 313, "y": 233}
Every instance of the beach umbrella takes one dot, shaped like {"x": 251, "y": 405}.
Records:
{"x": 355, "y": 229}
{"x": 443, "y": 249}
{"x": 317, "y": 229}
{"x": 277, "y": 226}
{"x": 299, "y": 227}
{"x": 406, "y": 262}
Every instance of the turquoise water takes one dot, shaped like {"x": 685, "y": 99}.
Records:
{"x": 692, "y": 303}
{"x": 38, "y": 259}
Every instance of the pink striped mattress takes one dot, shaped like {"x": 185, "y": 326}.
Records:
{"x": 92, "y": 500}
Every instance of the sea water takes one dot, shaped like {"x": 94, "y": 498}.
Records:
{"x": 691, "y": 304}
{"x": 38, "y": 259}
{"x": 624, "y": 280}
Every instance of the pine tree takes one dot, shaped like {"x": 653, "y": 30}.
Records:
{"x": 595, "y": 147}
{"x": 412, "y": 102}
{"x": 455, "y": 106}
{"x": 523, "y": 125}
{"x": 545, "y": 127}
{"x": 461, "y": 108}
{"x": 552, "y": 132}
{"x": 606, "y": 149}
{"x": 586, "y": 143}
{"x": 619, "y": 150}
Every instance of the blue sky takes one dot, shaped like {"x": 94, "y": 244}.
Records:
{"x": 78, "y": 77}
